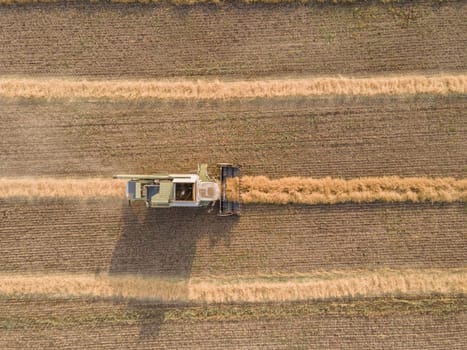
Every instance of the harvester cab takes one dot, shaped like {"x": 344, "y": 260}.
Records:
{"x": 188, "y": 190}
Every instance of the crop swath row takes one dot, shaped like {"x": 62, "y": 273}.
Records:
{"x": 298, "y": 190}
{"x": 273, "y": 288}
{"x": 134, "y": 90}
{"x": 260, "y": 189}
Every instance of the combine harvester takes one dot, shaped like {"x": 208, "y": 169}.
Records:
{"x": 185, "y": 190}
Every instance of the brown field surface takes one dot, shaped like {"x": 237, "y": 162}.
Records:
{"x": 118, "y": 40}
{"x": 379, "y": 323}
{"x": 318, "y": 137}
{"x": 108, "y": 236}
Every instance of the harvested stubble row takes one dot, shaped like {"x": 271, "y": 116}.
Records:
{"x": 260, "y": 189}
{"x": 204, "y": 89}
{"x": 319, "y": 285}
{"x": 101, "y": 325}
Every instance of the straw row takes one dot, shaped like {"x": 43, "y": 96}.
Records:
{"x": 33, "y": 188}
{"x": 273, "y": 288}
{"x": 260, "y": 189}
{"x": 216, "y": 89}
{"x": 300, "y": 190}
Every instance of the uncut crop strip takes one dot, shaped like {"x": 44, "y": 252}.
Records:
{"x": 299, "y": 190}
{"x": 204, "y": 89}
{"x": 320, "y": 285}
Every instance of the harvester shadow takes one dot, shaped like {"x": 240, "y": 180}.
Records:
{"x": 162, "y": 243}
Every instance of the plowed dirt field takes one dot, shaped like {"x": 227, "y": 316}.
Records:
{"x": 418, "y": 135}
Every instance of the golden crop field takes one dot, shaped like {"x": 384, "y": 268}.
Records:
{"x": 348, "y": 118}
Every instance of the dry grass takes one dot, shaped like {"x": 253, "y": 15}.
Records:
{"x": 60, "y": 188}
{"x": 274, "y": 288}
{"x": 203, "y": 89}
{"x": 260, "y": 189}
